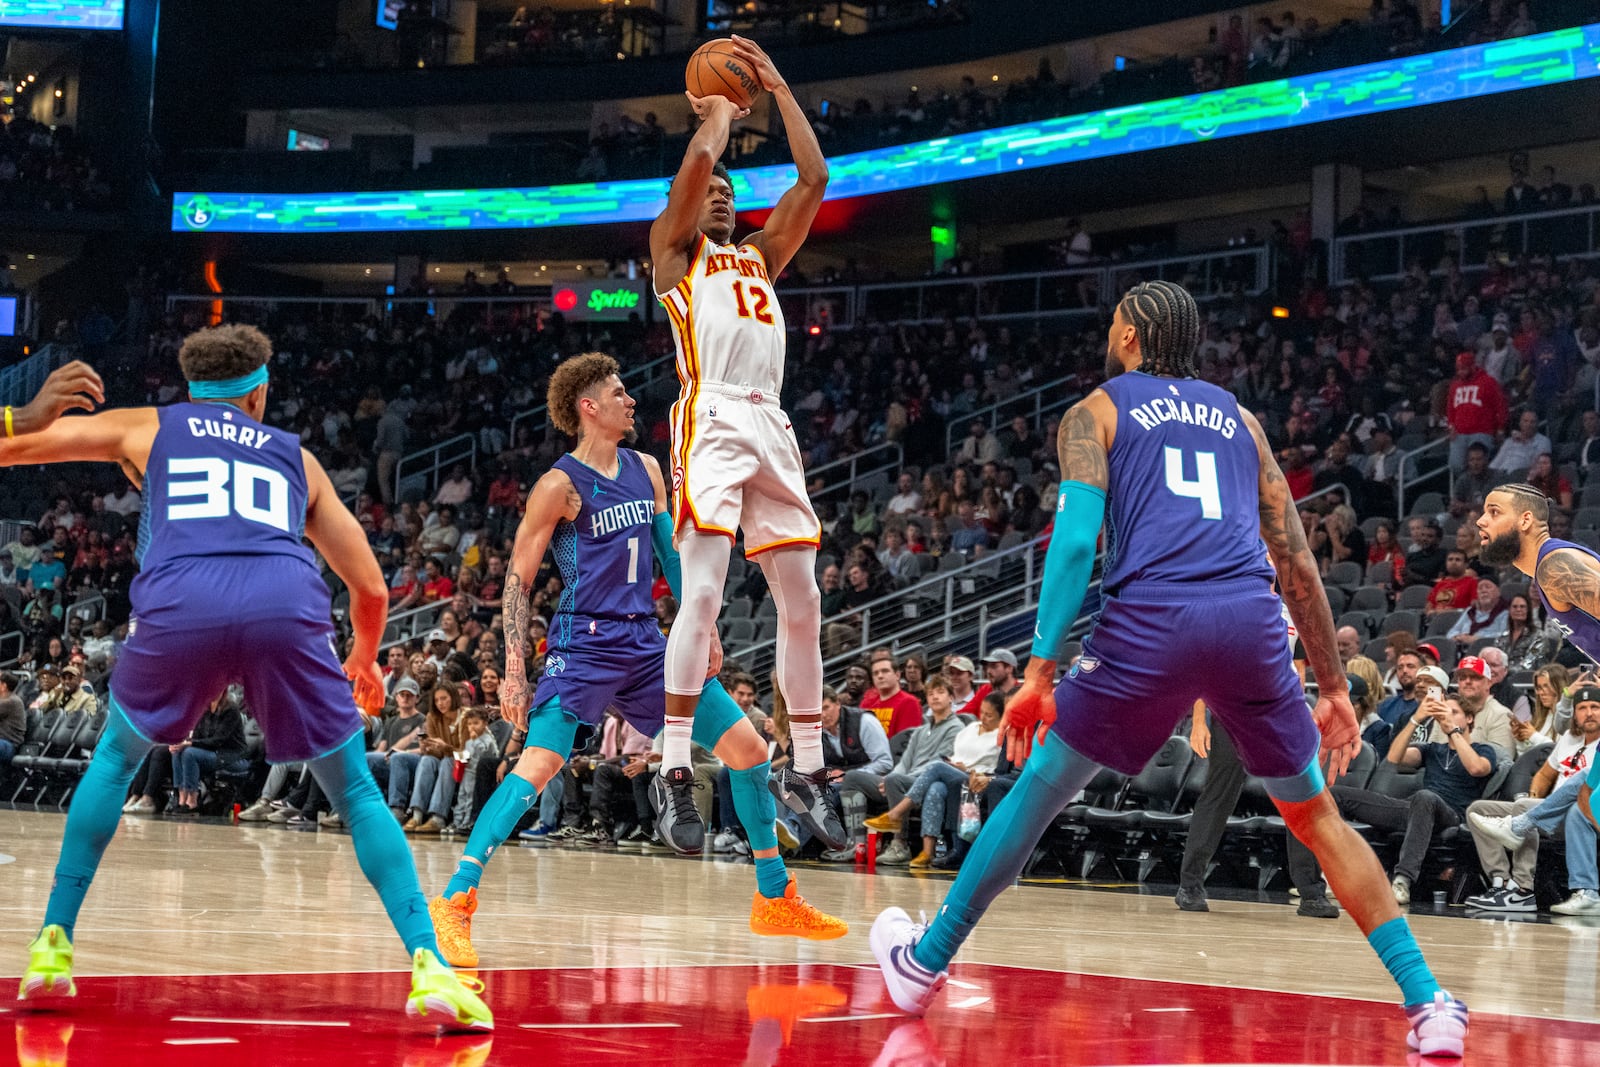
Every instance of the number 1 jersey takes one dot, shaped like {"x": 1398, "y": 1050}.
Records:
{"x": 219, "y": 483}
{"x": 604, "y": 554}
{"x": 1183, "y": 494}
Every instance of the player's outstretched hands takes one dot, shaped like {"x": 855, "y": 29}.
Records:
{"x": 73, "y": 387}
{"x": 1030, "y": 711}
{"x": 704, "y": 106}
{"x": 1341, "y": 734}
{"x": 760, "y": 64}
{"x": 368, "y": 679}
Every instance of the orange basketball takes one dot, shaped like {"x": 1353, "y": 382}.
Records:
{"x": 716, "y": 70}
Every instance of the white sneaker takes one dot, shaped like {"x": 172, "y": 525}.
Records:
{"x": 1438, "y": 1028}
{"x": 898, "y": 854}
{"x": 256, "y": 812}
{"x": 912, "y": 986}
{"x": 1582, "y": 902}
{"x": 143, "y": 806}
{"x": 127, "y": 807}
{"x": 1496, "y": 828}
{"x": 724, "y": 841}
{"x": 1401, "y": 888}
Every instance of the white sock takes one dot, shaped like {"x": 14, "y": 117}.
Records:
{"x": 675, "y": 742}
{"x": 807, "y": 739}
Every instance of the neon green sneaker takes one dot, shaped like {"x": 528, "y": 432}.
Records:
{"x": 49, "y": 972}
{"x": 437, "y": 990}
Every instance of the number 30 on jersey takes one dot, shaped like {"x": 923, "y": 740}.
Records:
{"x": 214, "y": 488}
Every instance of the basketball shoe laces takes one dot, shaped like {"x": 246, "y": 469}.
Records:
{"x": 682, "y": 797}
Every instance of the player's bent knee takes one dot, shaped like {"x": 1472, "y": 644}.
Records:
{"x": 741, "y": 747}
{"x": 1297, "y": 788}
{"x": 537, "y": 766}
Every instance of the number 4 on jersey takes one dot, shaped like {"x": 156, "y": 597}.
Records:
{"x": 1203, "y": 488}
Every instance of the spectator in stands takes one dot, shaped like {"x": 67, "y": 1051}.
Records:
{"x": 217, "y": 743}
{"x": 974, "y": 751}
{"x": 1589, "y": 446}
{"x": 1348, "y": 641}
{"x": 1529, "y": 640}
{"x": 1345, "y": 541}
{"x": 13, "y": 719}
{"x": 390, "y": 445}
{"x": 1522, "y": 448}
{"x": 433, "y": 791}
{"x": 1385, "y": 548}
{"x": 1485, "y": 617}
{"x": 1544, "y": 477}
{"x": 929, "y": 744}
{"x": 1491, "y": 720}
{"x": 439, "y": 541}
{"x": 76, "y": 697}
{"x": 1000, "y": 674}
{"x": 1476, "y": 410}
{"x": 1499, "y": 356}
{"x": 1545, "y": 712}
{"x": 456, "y": 489}
{"x": 906, "y": 500}
{"x": 1501, "y": 687}
{"x": 1426, "y": 562}
{"x": 1455, "y": 588}
{"x": 1499, "y": 825}
{"x": 1411, "y": 679}
{"x": 479, "y": 748}
{"x": 125, "y": 501}
{"x": 897, "y": 560}
{"x": 958, "y": 671}
{"x": 896, "y": 709}
{"x": 980, "y": 446}
{"x": 1473, "y": 483}
{"x": 1456, "y": 770}
{"x": 972, "y": 539}
{"x": 623, "y": 759}
{"x": 400, "y": 744}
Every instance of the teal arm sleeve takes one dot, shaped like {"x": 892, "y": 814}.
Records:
{"x": 1068, "y": 564}
{"x": 666, "y": 554}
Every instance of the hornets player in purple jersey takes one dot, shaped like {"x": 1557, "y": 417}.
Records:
{"x": 227, "y": 592}
{"x": 1188, "y": 490}
{"x": 602, "y": 510}
{"x": 1515, "y": 530}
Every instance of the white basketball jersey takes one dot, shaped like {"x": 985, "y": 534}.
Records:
{"x": 725, "y": 319}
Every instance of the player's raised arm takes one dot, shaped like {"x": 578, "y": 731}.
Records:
{"x": 790, "y": 221}
{"x": 553, "y": 498}
{"x": 1083, "y": 446}
{"x": 34, "y": 432}
{"x": 679, "y": 222}
{"x": 342, "y": 542}
{"x": 1300, "y": 584}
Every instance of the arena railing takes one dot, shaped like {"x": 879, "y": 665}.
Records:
{"x": 1440, "y": 448}
{"x": 21, "y": 381}
{"x": 636, "y": 379}
{"x": 425, "y": 466}
{"x": 1384, "y": 255}
{"x": 409, "y": 624}
{"x": 1024, "y": 295}
{"x": 1030, "y": 404}
{"x": 858, "y": 466}
{"x": 12, "y": 646}
{"x": 364, "y": 306}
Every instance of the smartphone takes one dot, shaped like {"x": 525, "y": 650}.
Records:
{"x": 1522, "y": 713}
{"x": 1434, "y": 691}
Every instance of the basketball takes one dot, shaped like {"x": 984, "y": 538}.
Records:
{"x": 716, "y": 70}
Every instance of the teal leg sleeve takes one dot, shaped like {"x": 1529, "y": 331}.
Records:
{"x": 380, "y": 843}
{"x": 92, "y": 819}
{"x": 500, "y": 816}
{"x": 1053, "y": 776}
{"x": 1396, "y": 946}
{"x": 715, "y": 715}
{"x": 757, "y": 811}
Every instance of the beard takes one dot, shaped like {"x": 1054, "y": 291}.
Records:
{"x": 1501, "y": 550}
{"x": 630, "y": 436}
{"x": 1113, "y": 364}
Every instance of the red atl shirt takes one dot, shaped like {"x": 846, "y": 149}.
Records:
{"x": 1452, "y": 593}
{"x": 1476, "y": 404}
{"x": 897, "y": 711}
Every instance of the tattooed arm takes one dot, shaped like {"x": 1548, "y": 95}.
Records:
{"x": 554, "y": 499}
{"x": 1570, "y": 579}
{"x": 1300, "y": 584}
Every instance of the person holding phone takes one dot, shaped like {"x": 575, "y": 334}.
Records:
{"x": 1457, "y": 770}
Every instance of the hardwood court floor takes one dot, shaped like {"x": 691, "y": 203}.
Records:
{"x": 610, "y": 955}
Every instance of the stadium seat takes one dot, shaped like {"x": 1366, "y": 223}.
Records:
{"x": 1369, "y": 598}
{"x": 1337, "y": 599}
{"x": 1413, "y": 598}
{"x": 1587, "y": 516}
{"x": 1440, "y": 623}
{"x": 1346, "y": 575}
{"x": 1379, "y": 573}
{"x": 1375, "y": 651}
{"x": 1428, "y": 504}
{"x": 1362, "y": 621}
{"x": 1409, "y": 621}
{"x": 1126, "y": 837}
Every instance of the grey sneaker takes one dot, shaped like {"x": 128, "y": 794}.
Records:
{"x": 1582, "y": 902}
{"x": 1191, "y": 899}
{"x": 596, "y": 836}
{"x": 677, "y": 820}
{"x": 1319, "y": 907}
{"x": 806, "y": 796}
{"x": 568, "y": 835}
{"x": 840, "y": 855}
{"x": 1496, "y": 828}
{"x": 256, "y": 812}
{"x": 330, "y": 820}
{"x": 896, "y": 855}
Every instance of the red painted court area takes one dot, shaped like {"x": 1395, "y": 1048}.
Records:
{"x": 745, "y": 1015}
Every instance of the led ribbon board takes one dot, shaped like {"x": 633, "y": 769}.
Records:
{"x": 1416, "y": 81}
{"x": 63, "y": 14}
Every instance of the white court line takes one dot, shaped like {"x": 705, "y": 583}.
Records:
{"x": 970, "y": 1002}
{"x": 853, "y": 1018}
{"x": 256, "y": 1022}
{"x": 959, "y": 984}
{"x": 600, "y": 1026}
{"x": 1159, "y": 1011}
{"x": 201, "y": 1041}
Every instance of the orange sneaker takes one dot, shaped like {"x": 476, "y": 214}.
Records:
{"x": 884, "y": 824}
{"x": 452, "y": 924}
{"x": 790, "y": 916}
{"x": 789, "y": 1003}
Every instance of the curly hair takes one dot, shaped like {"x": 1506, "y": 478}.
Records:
{"x": 220, "y": 352}
{"x": 571, "y": 382}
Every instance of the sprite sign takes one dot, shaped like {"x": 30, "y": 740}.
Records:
{"x": 599, "y": 299}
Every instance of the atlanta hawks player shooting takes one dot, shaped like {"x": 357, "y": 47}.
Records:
{"x": 735, "y": 461}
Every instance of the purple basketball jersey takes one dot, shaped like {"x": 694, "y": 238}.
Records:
{"x": 1183, "y": 500}
{"x": 604, "y": 554}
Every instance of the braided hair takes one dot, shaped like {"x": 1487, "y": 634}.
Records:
{"x": 1167, "y": 321}
{"x": 1525, "y": 497}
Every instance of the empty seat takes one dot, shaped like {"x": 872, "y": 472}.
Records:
{"x": 1413, "y": 597}
{"x": 1428, "y": 504}
{"x": 1409, "y": 621}
{"x": 1361, "y": 621}
{"x": 1440, "y": 623}
{"x": 1369, "y": 598}
{"x": 1346, "y": 575}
